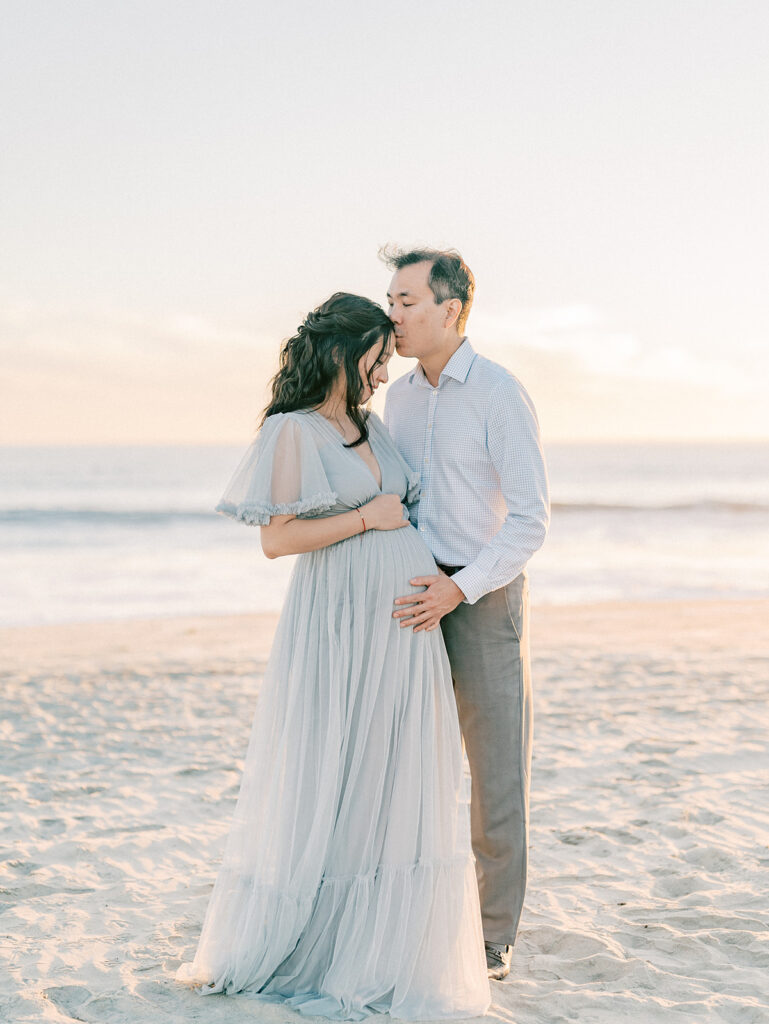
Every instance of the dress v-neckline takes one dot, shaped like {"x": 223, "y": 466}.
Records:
{"x": 340, "y": 436}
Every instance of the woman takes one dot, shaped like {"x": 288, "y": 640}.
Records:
{"x": 348, "y": 885}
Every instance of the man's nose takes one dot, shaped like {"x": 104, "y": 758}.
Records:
{"x": 394, "y": 315}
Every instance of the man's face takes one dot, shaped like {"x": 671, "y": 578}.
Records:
{"x": 419, "y": 320}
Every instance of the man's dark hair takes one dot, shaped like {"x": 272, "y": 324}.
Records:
{"x": 450, "y": 277}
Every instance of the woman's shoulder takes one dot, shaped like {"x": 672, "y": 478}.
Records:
{"x": 375, "y": 423}
{"x": 377, "y": 427}
{"x": 276, "y": 420}
{"x": 298, "y": 415}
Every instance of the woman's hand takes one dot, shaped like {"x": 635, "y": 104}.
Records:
{"x": 385, "y": 512}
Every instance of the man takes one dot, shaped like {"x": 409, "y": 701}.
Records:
{"x": 469, "y": 428}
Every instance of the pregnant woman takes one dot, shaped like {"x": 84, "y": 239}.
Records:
{"x": 347, "y": 885}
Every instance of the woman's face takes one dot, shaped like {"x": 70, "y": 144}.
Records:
{"x": 373, "y": 367}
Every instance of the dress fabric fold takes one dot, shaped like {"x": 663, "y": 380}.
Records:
{"x": 347, "y": 885}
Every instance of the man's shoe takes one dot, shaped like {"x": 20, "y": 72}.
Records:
{"x": 498, "y": 959}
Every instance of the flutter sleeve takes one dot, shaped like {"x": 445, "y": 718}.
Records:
{"x": 281, "y": 474}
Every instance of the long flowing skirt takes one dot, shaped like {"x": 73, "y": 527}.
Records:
{"x": 348, "y": 885}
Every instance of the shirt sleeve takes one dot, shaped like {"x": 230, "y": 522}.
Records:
{"x": 281, "y": 474}
{"x": 515, "y": 450}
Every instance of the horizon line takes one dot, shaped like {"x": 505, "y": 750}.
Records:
{"x": 168, "y": 443}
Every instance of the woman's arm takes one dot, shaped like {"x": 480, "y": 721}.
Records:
{"x": 287, "y": 535}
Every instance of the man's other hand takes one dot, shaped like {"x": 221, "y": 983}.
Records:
{"x": 426, "y": 609}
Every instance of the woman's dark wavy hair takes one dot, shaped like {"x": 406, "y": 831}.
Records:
{"x": 337, "y": 333}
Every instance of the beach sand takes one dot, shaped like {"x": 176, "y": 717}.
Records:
{"x": 648, "y": 900}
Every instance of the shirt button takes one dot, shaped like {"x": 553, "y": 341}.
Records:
{"x": 422, "y": 529}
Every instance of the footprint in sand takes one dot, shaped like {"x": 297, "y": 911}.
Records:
{"x": 709, "y": 859}
{"x": 572, "y": 838}
{"x": 705, "y": 817}
{"x": 568, "y": 945}
{"x": 675, "y": 887}
{"x": 607, "y": 969}
{"x": 67, "y": 997}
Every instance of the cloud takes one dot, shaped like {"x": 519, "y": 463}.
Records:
{"x": 581, "y": 336}
{"x": 72, "y": 377}
{"x": 76, "y": 334}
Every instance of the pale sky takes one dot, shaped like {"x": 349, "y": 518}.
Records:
{"x": 181, "y": 181}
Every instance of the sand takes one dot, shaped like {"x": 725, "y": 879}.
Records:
{"x": 120, "y": 756}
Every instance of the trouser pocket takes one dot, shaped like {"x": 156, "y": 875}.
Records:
{"x": 515, "y": 599}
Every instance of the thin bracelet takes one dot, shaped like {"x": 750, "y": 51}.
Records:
{"x": 362, "y": 520}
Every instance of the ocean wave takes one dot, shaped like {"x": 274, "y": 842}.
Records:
{"x": 104, "y": 516}
{"x": 705, "y": 505}
{"x": 98, "y": 516}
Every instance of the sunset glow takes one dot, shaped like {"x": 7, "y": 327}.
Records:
{"x": 168, "y": 219}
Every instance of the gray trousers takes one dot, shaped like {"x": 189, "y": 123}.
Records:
{"x": 488, "y": 646}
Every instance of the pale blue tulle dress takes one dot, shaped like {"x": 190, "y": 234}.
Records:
{"x": 348, "y": 885}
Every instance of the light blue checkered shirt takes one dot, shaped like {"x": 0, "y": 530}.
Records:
{"x": 475, "y": 442}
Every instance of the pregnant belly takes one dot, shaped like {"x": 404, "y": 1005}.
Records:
{"x": 379, "y": 561}
{"x": 406, "y": 542}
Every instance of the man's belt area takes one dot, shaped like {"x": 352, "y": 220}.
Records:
{"x": 449, "y": 569}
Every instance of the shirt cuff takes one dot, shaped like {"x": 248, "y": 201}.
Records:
{"x": 472, "y": 583}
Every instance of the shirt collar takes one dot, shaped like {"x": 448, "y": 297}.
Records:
{"x": 457, "y": 367}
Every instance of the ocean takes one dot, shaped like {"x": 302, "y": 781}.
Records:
{"x": 95, "y": 533}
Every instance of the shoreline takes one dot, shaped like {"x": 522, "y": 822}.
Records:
{"x": 612, "y": 625}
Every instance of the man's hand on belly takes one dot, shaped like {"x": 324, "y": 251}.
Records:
{"x": 427, "y": 609}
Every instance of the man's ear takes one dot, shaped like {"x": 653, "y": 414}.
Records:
{"x": 453, "y": 309}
